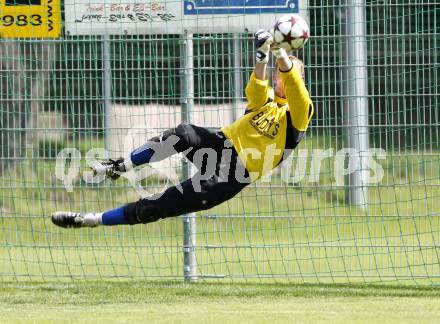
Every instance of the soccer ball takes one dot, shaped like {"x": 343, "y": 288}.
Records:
{"x": 290, "y": 32}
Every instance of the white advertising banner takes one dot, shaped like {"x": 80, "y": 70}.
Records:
{"x": 132, "y": 17}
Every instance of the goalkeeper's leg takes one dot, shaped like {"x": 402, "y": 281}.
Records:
{"x": 177, "y": 201}
{"x": 173, "y": 202}
{"x": 184, "y": 138}
{"x": 201, "y": 192}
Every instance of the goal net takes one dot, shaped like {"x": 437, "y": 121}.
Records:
{"x": 69, "y": 94}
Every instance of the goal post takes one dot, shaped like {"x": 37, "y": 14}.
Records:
{"x": 355, "y": 92}
{"x": 187, "y": 105}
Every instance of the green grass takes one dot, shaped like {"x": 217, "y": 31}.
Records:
{"x": 176, "y": 302}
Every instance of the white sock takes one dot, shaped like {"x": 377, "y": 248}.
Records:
{"x": 128, "y": 164}
{"x": 92, "y": 219}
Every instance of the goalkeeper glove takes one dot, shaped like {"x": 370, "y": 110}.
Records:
{"x": 110, "y": 168}
{"x": 278, "y": 52}
{"x": 263, "y": 40}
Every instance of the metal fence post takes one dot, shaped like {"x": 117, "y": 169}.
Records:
{"x": 107, "y": 83}
{"x": 356, "y": 100}
{"x": 187, "y": 103}
{"x": 238, "y": 85}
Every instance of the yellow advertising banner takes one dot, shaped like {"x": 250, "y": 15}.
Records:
{"x": 30, "y": 18}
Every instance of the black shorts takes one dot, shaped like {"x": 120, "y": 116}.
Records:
{"x": 220, "y": 176}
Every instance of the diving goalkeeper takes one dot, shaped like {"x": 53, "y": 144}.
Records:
{"x": 273, "y": 124}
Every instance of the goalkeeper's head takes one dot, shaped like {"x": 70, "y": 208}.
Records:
{"x": 278, "y": 86}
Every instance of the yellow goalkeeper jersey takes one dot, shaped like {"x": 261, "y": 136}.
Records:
{"x": 272, "y": 126}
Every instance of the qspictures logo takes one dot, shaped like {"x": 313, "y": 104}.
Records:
{"x": 306, "y": 166}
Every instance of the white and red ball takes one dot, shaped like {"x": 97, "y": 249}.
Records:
{"x": 290, "y": 32}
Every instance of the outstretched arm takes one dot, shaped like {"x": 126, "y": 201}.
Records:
{"x": 283, "y": 61}
{"x": 300, "y": 104}
{"x": 257, "y": 90}
{"x": 260, "y": 70}
{"x": 263, "y": 41}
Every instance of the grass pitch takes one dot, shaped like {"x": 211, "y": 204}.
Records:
{"x": 176, "y": 302}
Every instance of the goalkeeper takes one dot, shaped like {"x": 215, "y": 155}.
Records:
{"x": 273, "y": 124}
